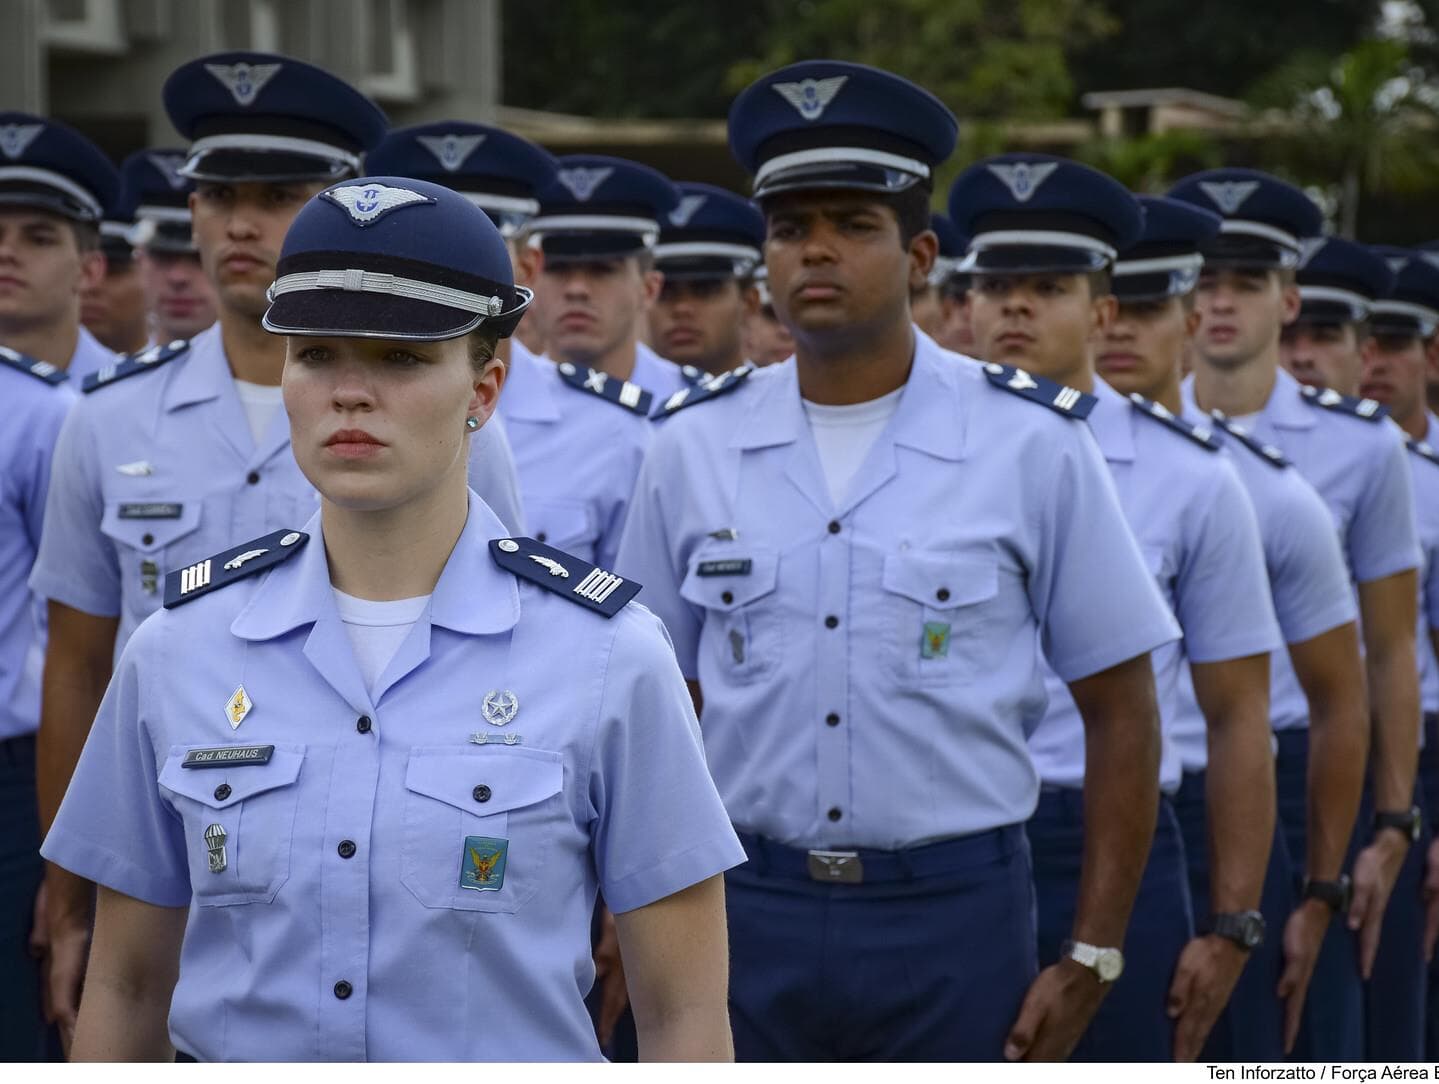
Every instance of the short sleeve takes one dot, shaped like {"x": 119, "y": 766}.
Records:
{"x": 30, "y": 468}
{"x": 114, "y": 828}
{"x": 76, "y": 565}
{"x": 659, "y": 823}
{"x": 1382, "y": 538}
{"x": 493, "y": 475}
{"x": 1094, "y": 598}
{"x": 1307, "y": 576}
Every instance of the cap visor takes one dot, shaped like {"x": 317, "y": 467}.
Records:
{"x": 355, "y": 315}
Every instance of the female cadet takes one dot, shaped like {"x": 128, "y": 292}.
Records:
{"x": 357, "y": 804}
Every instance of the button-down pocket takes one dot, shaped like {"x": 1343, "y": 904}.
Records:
{"x": 736, "y": 588}
{"x": 565, "y": 524}
{"x": 508, "y": 796}
{"x": 239, "y": 823}
{"x": 144, "y": 533}
{"x": 937, "y": 603}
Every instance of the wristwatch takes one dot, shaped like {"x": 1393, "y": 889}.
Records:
{"x": 1245, "y": 928}
{"x": 1106, "y": 963}
{"x": 1336, "y": 894}
{"x": 1410, "y": 822}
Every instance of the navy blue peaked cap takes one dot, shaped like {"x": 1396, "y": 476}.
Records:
{"x": 1339, "y": 280}
{"x": 49, "y": 165}
{"x": 1036, "y": 212}
{"x": 1166, "y": 259}
{"x": 158, "y": 195}
{"x": 599, "y": 207}
{"x": 832, "y": 124}
{"x": 952, "y": 246}
{"x": 1411, "y": 305}
{"x": 260, "y": 116}
{"x": 498, "y": 171}
{"x": 710, "y": 233}
{"x": 1265, "y": 219}
{"x": 393, "y": 258}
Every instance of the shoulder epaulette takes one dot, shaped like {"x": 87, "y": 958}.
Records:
{"x": 1424, "y": 450}
{"x": 711, "y": 388}
{"x": 1202, "y": 435}
{"x": 1265, "y": 451}
{"x": 1369, "y": 409}
{"x": 620, "y": 392}
{"x": 564, "y": 574}
{"x": 1071, "y": 402}
{"x": 693, "y": 375}
{"x": 131, "y": 364}
{"x": 40, "y": 370}
{"x": 233, "y": 564}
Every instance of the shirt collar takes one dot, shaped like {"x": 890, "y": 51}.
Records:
{"x": 1112, "y": 423}
{"x": 1431, "y": 434}
{"x": 530, "y": 387}
{"x": 1286, "y": 407}
{"x": 203, "y": 373}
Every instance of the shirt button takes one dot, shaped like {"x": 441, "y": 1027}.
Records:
{"x": 147, "y": 539}
{"x": 835, "y": 814}
{"x": 346, "y": 848}
{"x": 482, "y": 793}
{"x": 832, "y": 719}
{"x": 362, "y": 724}
{"x": 542, "y": 536}
{"x": 222, "y": 792}
{"x": 343, "y": 989}
{"x": 831, "y": 622}
{"x": 834, "y": 526}
{"x": 727, "y": 597}
{"x": 942, "y": 594}
{"x": 253, "y": 477}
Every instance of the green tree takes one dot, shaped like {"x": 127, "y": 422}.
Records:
{"x": 1152, "y": 163}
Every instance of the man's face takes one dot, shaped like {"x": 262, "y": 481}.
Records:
{"x": 43, "y": 272}
{"x": 1240, "y": 314}
{"x": 178, "y": 294}
{"x": 955, "y": 332}
{"x": 114, "y": 308}
{"x": 1141, "y": 351}
{"x": 1045, "y": 323}
{"x": 239, "y": 229}
{"x": 698, "y": 322}
{"x": 836, "y": 263}
{"x": 766, "y": 340}
{"x": 592, "y": 307}
{"x": 1322, "y": 355}
{"x": 1394, "y": 371}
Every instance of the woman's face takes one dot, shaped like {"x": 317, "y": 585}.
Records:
{"x": 377, "y": 424}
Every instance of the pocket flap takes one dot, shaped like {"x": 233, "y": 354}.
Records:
{"x": 560, "y": 523}
{"x": 149, "y": 525}
{"x": 489, "y": 779}
{"x": 235, "y": 782}
{"x": 942, "y": 581}
{"x": 729, "y": 578}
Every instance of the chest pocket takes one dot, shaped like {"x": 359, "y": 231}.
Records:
{"x": 254, "y": 806}
{"x": 144, "y": 533}
{"x": 743, "y": 628}
{"x": 566, "y": 525}
{"x": 937, "y": 609}
{"x": 492, "y": 811}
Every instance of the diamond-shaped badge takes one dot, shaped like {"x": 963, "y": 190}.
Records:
{"x": 238, "y": 707}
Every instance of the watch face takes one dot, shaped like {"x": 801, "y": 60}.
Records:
{"x": 1253, "y": 931}
{"x": 1110, "y": 965}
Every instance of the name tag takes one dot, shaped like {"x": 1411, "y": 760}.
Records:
{"x": 735, "y": 567}
{"x": 228, "y": 756}
{"x": 150, "y": 511}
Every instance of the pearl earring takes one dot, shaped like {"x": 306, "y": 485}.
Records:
{"x": 472, "y": 424}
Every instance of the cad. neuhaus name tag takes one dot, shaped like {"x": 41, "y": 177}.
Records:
{"x": 228, "y": 756}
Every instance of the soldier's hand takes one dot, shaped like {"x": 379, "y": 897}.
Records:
{"x": 610, "y": 974}
{"x": 1431, "y": 901}
{"x": 1208, "y": 968}
{"x": 1375, "y": 871}
{"x": 1060, "y": 1003}
{"x": 1303, "y": 935}
{"x": 68, "y": 924}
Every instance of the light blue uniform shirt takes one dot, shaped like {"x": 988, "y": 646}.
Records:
{"x": 1196, "y": 530}
{"x": 89, "y": 357}
{"x": 605, "y": 788}
{"x": 577, "y": 455}
{"x": 34, "y": 411}
{"x": 1426, "y": 505}
{"x": 979, "y": 526}
{"x": 659, "y": 376}
{"x": 1308, "y": 585}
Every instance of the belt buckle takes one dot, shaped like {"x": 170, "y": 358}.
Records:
{"x": 836, "y": 867}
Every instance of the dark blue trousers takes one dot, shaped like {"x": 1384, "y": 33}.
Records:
{"x": 1131, "y": 1024}
{"x": 23, "y": 1035}
{"x": 929, "y": 966}
{"x": 1333, "y": 1025}
{"x": 1251, "y": 1028}
{"x": 1429, "y": 783}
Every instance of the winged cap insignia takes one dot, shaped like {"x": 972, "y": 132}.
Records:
{"x": 169, "y": 167}
{"x": 1308, "y": 248}
{"x": 1023, "y": 178}
{"x": 583, "y": 181}
{"x": 688, "y": 205}
{"x": 365, "y": 203}
{"x": 14, "y": 138}
{"x": 451, "y": 150}
{"x": 243, "y": 81}
{"x": 1229, "y": 196}
{"x": 811, "y": 97}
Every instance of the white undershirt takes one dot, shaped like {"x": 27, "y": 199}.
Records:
{"x": 377, "y": 629}
{"x": 260, "y": 402}
{"x": 1246, "y": 421}
{"x": 844, "y": 435}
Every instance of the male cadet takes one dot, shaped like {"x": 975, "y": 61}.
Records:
{"x": 1358, "y": 464}
{"x": 951, "y": 285}
{"x": 1044, "y": 233}
{"x": 178, "y": 296}
{"x": 766, "y": 340}
{"x": 1338, "y": 281}
{"x": 113, "y": 309}
{"x": 924, "y": 303}
{"x": 709, "y": 244}
{"x": 597, "y": 226}
{"x": 1402, "y": 324}
{"x": 54, "y": 188}
{"x": 858, "y": 554}
{"x": 1140, "y": 353}
{"x": 171, "y": 455}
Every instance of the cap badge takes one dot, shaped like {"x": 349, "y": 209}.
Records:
{"x": 1308, "y": 247}
{"x": 500, "y": 709}
{"x": 1023, "y": 178}
{"x": 366, "y": 203}
{"x": 1399, "y": 263}
{"x": 168, "y": 166}
{"x": 812, "y": 96}
{"x": 14, "y": 138}
{"x": 1431, "y": 258}
{"x": 582, "y": 181}
{"x": 688, "y": 205}
{"x": 1229, "y": 196}
{"x": 450, "y": 150}
{"x": 243, "y": 81}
